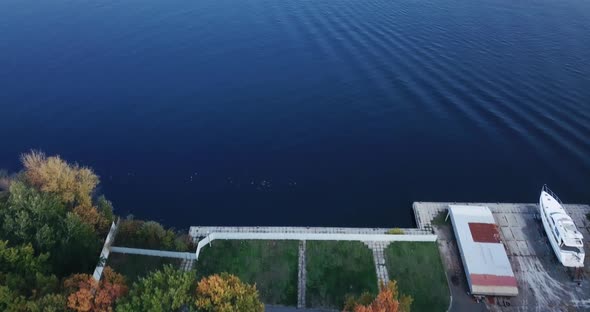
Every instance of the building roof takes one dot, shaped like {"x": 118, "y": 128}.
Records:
{"x": 484, "y": 257}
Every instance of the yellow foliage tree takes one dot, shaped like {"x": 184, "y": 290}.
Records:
{"x": 226, "y": 293}
{"x": 70, "y": 182}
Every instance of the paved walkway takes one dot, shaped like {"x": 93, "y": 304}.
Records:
{"x": 302, "y": 276}
{"x": 202, "y": 231}
{"x": 378, "y": 249}
{"x": 187, "y": 264}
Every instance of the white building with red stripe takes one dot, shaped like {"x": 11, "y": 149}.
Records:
{"x": 484, "y": 257}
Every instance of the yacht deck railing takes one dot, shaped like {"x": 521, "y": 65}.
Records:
{"x": 550, "y": 192}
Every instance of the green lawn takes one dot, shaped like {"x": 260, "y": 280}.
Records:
{"x": 272, "y": 265}
{"x": 338, "y": 269}
{"x": 418, "y": 270}
{"x": 135, "y": 266}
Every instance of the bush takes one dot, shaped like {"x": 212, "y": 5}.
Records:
{"x": 168, "y": 289}
{"x": 396, "y": 231}
{"x": 150, "y": 235}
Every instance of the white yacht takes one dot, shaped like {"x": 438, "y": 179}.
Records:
{"x": 567, "y": 242}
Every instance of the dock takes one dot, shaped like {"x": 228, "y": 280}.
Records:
{"x": 543, "y": 283}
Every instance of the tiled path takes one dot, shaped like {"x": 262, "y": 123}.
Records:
{"x": 202, "y": 231}
{"x": 378, "y": 249}
{"x": 302, "y": 276}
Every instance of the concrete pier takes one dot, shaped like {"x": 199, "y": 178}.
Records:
{"x": 544, "y": 284}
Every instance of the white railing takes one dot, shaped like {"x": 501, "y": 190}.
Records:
{"x": 104, "y": 254}
{"x": 154, "y": 252}
{"x": 313, "y": 236}
{"x": 550, "y": 192}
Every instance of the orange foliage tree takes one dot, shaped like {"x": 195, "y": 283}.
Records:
{"x": 388, "y": 300}
{"x": 88, "y": 295}
{"x": 226, "y": 293}
{"x": 92, "y": 217}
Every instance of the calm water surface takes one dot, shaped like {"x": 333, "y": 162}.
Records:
{"x": 301, "y": 112}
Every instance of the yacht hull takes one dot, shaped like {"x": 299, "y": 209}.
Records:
{"x": 565, "y": 258}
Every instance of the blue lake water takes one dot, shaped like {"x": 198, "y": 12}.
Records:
{"x": 301, "y": 112}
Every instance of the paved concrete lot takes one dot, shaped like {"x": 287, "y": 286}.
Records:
{"x": 543, "y": 284}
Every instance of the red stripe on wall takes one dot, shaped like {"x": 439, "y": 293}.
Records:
{"x": 492, "y": 280}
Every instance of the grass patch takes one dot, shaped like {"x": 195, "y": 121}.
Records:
{"x": 135, "y": 266}
{"x": 418, "y": 270}
{"x": 272, "y": 265}
{"x": 336, "y": 270}
{"x": 395, "y": 231}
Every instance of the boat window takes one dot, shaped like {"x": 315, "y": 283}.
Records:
{"x": 569, "y": 227}
{"x": 556, "y": 232}
{"x": 569, "y": 248}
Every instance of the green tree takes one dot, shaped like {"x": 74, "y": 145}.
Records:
{"x": 105, "y": 207}
{"x": 168, "y": 289}
{"x": 226, "y": 293}
{"x": 24, "y": 272}
{"x": 80, "y": 246}
{"x": 153, "y": 235}
{"x": 29, "y": 216}
{"x": 11, "y": 301}
{"x": 49, "y": 303}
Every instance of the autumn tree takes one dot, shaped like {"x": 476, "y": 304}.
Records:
{"x": 168, "y": 289}
{"x": 92, "y": 217}
{"x": 388, "y": 300}
{"x": 88, "y": 295}
{"x": 71, "y": 183}
{"x": 226, "y": 293}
